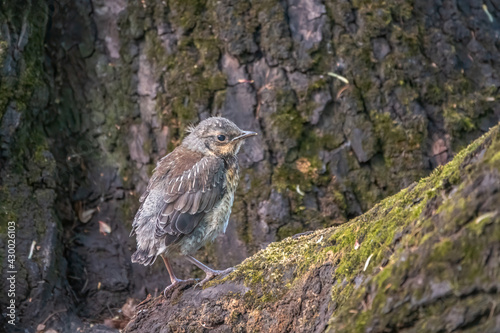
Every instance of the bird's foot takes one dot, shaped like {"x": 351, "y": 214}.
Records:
{"x": 178, "y": 284}
{"x": 212, "y": 274}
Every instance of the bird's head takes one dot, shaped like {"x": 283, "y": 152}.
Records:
{"x": 216, "y": 136}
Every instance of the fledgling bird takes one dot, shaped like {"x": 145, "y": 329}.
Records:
{"x": 189, "y": 197}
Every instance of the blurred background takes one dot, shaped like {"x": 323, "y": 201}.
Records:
{"x": 352, "y": 100}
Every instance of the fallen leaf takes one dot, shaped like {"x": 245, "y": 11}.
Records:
{"x": 485, "y": 216}
{"x": 104, "y": 228}
{"x": 32, "y": 248}
{"x": 367, "y": 262}
{"x": 86, "y": 215}
{"x": 487, "y": 12}
{"x": 340, "y": 77}
{"x": 344, "y": 88}
{"x": 299, "y": 191}
{"x": 128, "y": 309}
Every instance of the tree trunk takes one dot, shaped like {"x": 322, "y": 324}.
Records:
{"x": 352, "y": 100}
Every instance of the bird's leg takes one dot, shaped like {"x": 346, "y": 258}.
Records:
{"x": 173, "y": 279}
{"x": 210, "y": 273}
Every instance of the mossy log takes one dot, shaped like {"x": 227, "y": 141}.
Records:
{"x": 424, "y": 260}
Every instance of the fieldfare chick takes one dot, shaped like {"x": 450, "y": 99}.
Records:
{"x": 189, "y": 197}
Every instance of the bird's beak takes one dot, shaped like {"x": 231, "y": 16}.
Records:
{"x": 244, "y": 135}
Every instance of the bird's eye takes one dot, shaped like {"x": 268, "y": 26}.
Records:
{"x": 221, "y": 137}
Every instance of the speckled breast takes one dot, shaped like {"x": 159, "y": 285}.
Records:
{"x": 216, "y": 220}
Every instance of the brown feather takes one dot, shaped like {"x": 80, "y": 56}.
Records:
{"x": 193, "y": 186}
{"x": 196, "y": 202}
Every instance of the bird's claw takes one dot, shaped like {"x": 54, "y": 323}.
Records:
{"x": 213, "y": 274}
{"x": 178, "y": 284}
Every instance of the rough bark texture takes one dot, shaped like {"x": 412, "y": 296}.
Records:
{"x": 94, "y": 92}
{"x": 424, "y": 260}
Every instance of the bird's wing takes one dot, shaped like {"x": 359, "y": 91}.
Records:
{"x": 192, "y": 185}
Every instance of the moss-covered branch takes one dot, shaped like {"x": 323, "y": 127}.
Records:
{"x": 426, "y": 259}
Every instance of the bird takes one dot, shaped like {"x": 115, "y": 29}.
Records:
{"x": 188, "y": 200}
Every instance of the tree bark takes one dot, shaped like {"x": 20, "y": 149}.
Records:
{"x": 424, "y": 260}
{"x": 353, "y": 101}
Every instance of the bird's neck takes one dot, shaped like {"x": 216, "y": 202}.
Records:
{"x": 231, "y": 161}
{"x": 192, "y": 143}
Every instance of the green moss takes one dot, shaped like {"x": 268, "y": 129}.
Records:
{"x": 20, "y": 16}
{"x": 378, "y": 20}
{"x": 29, "y": 140}
{"x": 329, "y": 141}
{"x": 288, "y": 230}
{"x": 319, "y": 84}
{"x": 339, "y": 200}
{"x": 154, "y": 50}
{"x": 288, "y": 121}
{"x": 303, "y": 168}
{"x": 393, "y": 137}
{"x": 401, "y": 219}
{"x": 362, "y": 184}
{"x": 187, "y": 13}
{"x": 8, "y": 209}
{"x": 456, "y": 121}
{"x": 258, "y": 191}
{"x": 299, "y": 177}
{"x": 443, "y": 252}
{"x": 192, "y": 73}
{"x": 268, "y": 298}
{"x": 285, "y": 177}
{"x": 434, "y": 94}
{"x": 465, "y": 107}
{"x": 185, "y": 111}
{"x": 209, "y": 50}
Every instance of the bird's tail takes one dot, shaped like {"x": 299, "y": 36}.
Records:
{"x": 143, "y": 257}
